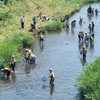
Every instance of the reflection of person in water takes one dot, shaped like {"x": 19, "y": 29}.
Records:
{"x": 52, "y": 89}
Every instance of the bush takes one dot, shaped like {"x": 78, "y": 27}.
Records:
{"x": 21, "y": 40}
{"x": 55, "y": 26}
{"x": 27, "y": 41}
{"x": 5, "y": 15}
{"x": 89, "y": 81}
{"x": 6, "y": 51}
{"x": 12, "y": 45}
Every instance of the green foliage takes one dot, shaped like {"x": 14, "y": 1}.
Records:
{"x": 11, "y": 45}
{"x": 27, "y": 41}
{"x": 89, "y": 81}
{"x": 57, "y": 3}
{"x": 9, "y": 1}
{"x": 21, "y": 40}
{"x": 6, "y": 50}
{"x": 55, "y": 26}
{"x": 5, "y": 15}
{"x": 10, "y": 12}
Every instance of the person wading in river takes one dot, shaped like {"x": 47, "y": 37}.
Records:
{"x": 84, "y": 52}
{"x": 92, "y": 25}
{"x": 80, "y": 20}
{"x": 32, "y": 59}
{"x": 96, "y": 12}
{"x": 41, "y": 39}
{"x": 13, "y": 63}
{"x": 52, "y": 76}
{"x": 26, "y": 55}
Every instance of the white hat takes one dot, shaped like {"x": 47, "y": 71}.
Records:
{"x": 83, "y": 46}
{"x": 30, "y": 51}
{"x": 50, "y": 69}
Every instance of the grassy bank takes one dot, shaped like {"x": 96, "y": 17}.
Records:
{"x": 11, "y": 12}
{"x": 89, "y": 81}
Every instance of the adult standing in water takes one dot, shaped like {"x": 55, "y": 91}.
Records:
{"x": 26, "y": 56}
{"x": 13, "y": 63}
{"x": 22, "y": 21}
{"x": 92, "y": 24}
{"x": 89, "y": 10}
{"x": 96, "y": 12}
{"x": 84, "y": 52}
{"x": 52, "y": 77}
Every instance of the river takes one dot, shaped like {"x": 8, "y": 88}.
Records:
{"x": 61, "y": 53}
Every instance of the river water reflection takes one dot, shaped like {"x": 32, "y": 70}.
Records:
{"x": 61, "y": 53}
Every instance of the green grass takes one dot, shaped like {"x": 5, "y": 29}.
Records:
{"x": 60, "y": 3}
{"x": 57, "y": 3}
{"x": 55, "y": 26}
{"x": 13, "y": 45}
{"x": 89, "y": 81}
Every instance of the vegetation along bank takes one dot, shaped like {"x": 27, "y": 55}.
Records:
{"x": 89, "y": 81}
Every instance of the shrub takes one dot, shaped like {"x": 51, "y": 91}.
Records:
{"x": 6, "y": 50}
{"x": 89, "y": 81}
{"x": 5, "y": 15}
{"x": 55, "y": 26}
{"x": 12, "y": 45}
{"x": 27, "y": 41}
{"x": 21, "y": 40}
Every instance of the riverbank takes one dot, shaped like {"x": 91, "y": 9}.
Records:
{"x": 11, "y": 25}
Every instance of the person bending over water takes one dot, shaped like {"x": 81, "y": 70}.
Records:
{"x": 6, "y": 73}
{"x": 32, "y": 59}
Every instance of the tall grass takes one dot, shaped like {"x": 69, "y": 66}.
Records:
{"x": 12, "y": 45}
{"x": 6, "y": 51}
{"x": 55, "y": 26}
{"x": 89, "y": 81}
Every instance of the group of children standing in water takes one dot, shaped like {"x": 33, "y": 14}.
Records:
{"x": 84, "y": 38}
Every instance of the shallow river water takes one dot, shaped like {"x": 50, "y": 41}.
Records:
{"x": 61, "y": 52}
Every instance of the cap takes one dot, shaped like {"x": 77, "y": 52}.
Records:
{"x": 32, "y": 55}
{"x": 84, "y": 47}
{"x": 6, "y": 68}
{"x": 29, "y": 50}
{"x": 50, "y": 69}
